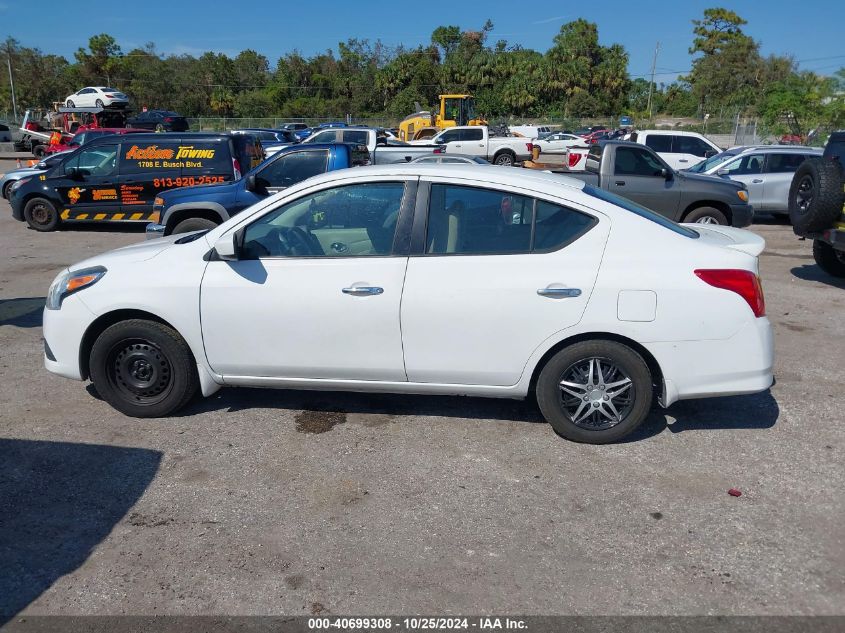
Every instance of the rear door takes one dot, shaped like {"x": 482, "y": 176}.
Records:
{"x": 689, "y": 150}
{"x": 472, "y": 143}
{"x": 777, "y": 178}
{"x": 483, "y": 290}
{"x": 637, "y": 175}
{"x": 93, "y": 194}
{"x": 662, "y": 146}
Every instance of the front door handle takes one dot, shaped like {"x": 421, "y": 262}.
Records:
{"x": 363, "y": 291}
{"x": 621, "y": 183}
{"x": 756, "y": 181}
{"x": 559, "y": 292}
{"x": 683, "y": 160}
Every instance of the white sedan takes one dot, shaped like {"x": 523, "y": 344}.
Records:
{"x": 558, "y": 142}
{"x": 426, "y": 279}
{"x": 96, "y": 97}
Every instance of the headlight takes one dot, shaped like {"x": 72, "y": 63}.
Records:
{"x": 69, "y": 282}
{"x": 20, "y": 183}
{"x": 743, "y": 195}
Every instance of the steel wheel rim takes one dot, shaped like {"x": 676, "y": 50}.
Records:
{"x": 139, "y": 371}
{"x": 596, "y": 393}
{"x": 804, "y": 196}
{"x": 707, "y": 219}
{"x": 40, "y": 214}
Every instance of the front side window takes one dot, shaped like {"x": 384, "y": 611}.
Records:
{"x": 329, "y": 136}
{"x": 632, "y": 161}
{"x": 659, "y": 142}
{"x": 449, "y": 136}
{"x": 96, "y": 161}
{"x": 706, "y": 165}
{"x": 748, "y": 164}
{"x": 348, "y": 221}
{"x": 292, "y": 168}
{"x": 784, "y": 163}
{"x": 475, "y": 221}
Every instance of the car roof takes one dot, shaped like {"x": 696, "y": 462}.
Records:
{"x": 770, "y": 149}
{"x": 492, "y": 174}
{"x": 155, "y": 137}
{"x": 675, "y": 132}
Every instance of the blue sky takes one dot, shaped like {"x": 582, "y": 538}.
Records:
{"x": 812, "y": 35}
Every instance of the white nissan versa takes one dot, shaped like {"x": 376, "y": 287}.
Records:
{"x": 427, "y": 279}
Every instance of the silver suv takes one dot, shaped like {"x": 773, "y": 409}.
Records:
{"x": 766, "y": 170}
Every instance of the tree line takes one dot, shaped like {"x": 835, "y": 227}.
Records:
{"x": 576, "y": 77}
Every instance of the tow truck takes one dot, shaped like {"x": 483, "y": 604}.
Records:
{"x": 48, "y": 132}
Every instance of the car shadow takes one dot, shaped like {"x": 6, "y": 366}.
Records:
{"x": 755, "y": 411}
{"x": 812, "y": 272}
{"x": 21, "y": 312}
{"x": 58, "y": 501}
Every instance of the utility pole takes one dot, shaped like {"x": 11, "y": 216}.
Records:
{"x": 11, "y": 79}
{"x": 651, "y": 84}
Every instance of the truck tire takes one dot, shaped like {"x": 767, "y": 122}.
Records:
{"x": 505, "y": 158}
{"x": 41, "y": 215}
{"x": 193, "y": 224}
{"x": 39, "y": 151}
{"x": 706, "y": 215}
{"x": 815, "y": 196}
{"x": 829, "y": 259}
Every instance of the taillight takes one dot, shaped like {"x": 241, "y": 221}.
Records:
{"x": 743, "y": 282}
{"x": 236, "y": 167}
{"x": 168, "y": 119}
{"x": 529, "y": 147}
{"x": 440, "y": 149}
{"x": 574, "y": 158}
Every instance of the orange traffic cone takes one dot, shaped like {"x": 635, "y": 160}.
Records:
{"x": 33, "y": 163}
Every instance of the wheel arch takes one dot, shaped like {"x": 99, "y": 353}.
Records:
{"x": 653, "y": 366}
{"x": 504, "y": 150}
{"x": 716, "y": 204}
{"x": 177, "y": 213}
{"x": 103, "y": 322}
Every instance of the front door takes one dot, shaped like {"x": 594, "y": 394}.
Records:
{"x": 316, "y": 291}
{"x": 638, "y": 176}
{"x": 486, "y": 288}
{"x": 88, "y": 188}
{"x": 748, "y": 169}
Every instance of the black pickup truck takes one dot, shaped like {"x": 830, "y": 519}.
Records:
{"x": 817, "y": 205}
{"x": 635, "y": 172}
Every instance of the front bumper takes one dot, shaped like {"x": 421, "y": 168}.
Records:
{"x": 741, "y": 215}
{"x": 63, "y": 333}
{"x": 154, "y": 230}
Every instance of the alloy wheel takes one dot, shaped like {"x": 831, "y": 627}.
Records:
{"x": 596, "y": 394}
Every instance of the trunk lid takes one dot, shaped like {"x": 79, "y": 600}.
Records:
{"x": 730, "y": 237}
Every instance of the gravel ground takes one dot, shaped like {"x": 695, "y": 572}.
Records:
{"x": 287, "y": 502}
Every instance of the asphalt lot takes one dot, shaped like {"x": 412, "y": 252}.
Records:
{"x": 272, "y": 502}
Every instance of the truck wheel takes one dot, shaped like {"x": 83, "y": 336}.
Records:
{"x": 595, "y": 391}
{"x": 144, "y": 369}
{"x": 815, "y": 195}
{"x": 506, "y": 159}
{"x": 39, "y": 151}
{"x": 193, "y": 224}
{"x": 159, "y": 127}
{"x": 829, "y": 259}
{"x": 41, "y": 215}
{"x": 706, "y": 215}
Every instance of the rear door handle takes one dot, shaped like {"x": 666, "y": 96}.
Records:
{"x": 559, "y": 292}
{"x": 683, "y": 160}
{"x": 621, "y": 183}
{"x": 756, "y": 181}
{"x": 363, "y": 291}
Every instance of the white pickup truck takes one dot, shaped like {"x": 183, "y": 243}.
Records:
{"x": 475, "y": 140}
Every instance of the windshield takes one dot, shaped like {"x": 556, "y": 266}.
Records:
{"x": 633, "y": 207}
{"x": 711, "y": 162}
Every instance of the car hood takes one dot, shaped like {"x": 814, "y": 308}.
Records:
{"x": 140, "y": 252}
{"x": 710, "y": 180}
{"x": 22, "y": 171}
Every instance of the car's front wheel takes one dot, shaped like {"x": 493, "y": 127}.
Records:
{"x": 144, "y": 369}
{"x": 706, "y": 215}
{"x": 41, "y": 215}
{"x": 70, "y": 103}
{"x": 595, "y": 392}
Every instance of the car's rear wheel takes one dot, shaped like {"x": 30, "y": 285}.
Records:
{"x": 595, "y": 391}
{"x": 829, "y": 259}
{"x": 193, "y": 224}
{"x": 41, "y": 215}
{"x": 706, "y": 215}
{"x": 505, "y": 159}
{"x": 99, "y": 103}
{"x": 144, "y": 369}
{"x": 70, "y": 104}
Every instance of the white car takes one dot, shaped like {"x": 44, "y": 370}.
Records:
{"x": 558, "y": 142}
{"x": 426, "y": 279}
{"x": 96, "y": 97}
{"x": 680, "y": 150}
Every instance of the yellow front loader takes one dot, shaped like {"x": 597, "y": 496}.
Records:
{"x": 454, "y": 110}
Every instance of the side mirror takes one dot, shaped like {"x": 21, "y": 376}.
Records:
{"x": 722, "y": 172}
{"x": 228, "y": 246}
{"x": 74, "y": 173}
{"x": 250, "y": 183}
{"x": 666, "y": 173}
{"x": 41, "y": 165}
{"x": 710, "y": 152}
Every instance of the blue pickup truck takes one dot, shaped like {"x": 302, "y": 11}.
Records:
{"x": 203, "y": 207}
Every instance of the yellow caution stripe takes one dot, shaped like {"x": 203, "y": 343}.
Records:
{"x": 109, "y": 216}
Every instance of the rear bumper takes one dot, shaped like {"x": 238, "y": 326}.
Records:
{"x": 741, "y": 215}
{"x": 742, "y": 364}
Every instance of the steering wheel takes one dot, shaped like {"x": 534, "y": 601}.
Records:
{"x": 294, "y": 241}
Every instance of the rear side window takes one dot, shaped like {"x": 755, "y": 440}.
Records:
{"x": 690, "y": 145}
{"x": 139, "y": 158}
{"x": 476, "y": 221}
{"x": 293, "y": 168}
{"x": 358, "y": 137}
{"x": 784, "y": 163}
{"x": 636, "y": 209}
{"x": 659, "y": 142}
{"x": 472, "y": 135}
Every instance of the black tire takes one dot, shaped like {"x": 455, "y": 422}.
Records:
{"x": 144, "y": 369}
{"x": 193, "y": 224}
{"x": 829, "y": 259}
{"x": 39, "y": 151}
{"x": 634, "y": 403}
{"x": 70, "y": 104}
{"x": 159, "y": 127}
{"x": 504, "y": 158}
{"x": 706, "y": 215}
{"x": 41, "y": 215}
{"x": 7, "y": 190}
{"x": 99, "y": 103}
{"x": 815, "y": 195}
